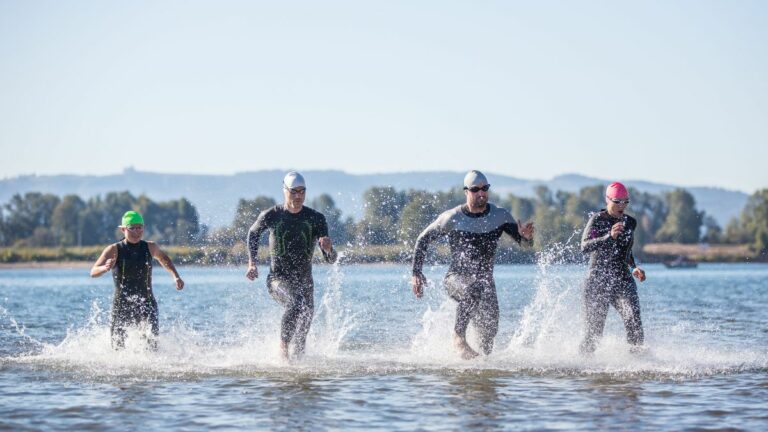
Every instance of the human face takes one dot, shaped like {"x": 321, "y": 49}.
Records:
{"x": 616, "y": 206}
{"x": 294, "y": 198}
{"x": 133, "y": 233}
{"x": 477, "y": 197}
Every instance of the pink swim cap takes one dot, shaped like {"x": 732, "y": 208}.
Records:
{"x": 616, "y": 191}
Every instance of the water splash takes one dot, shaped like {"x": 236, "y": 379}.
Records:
{"x": 19, "y": 329}
{"x": 549, "y": 319}
{"x": 334, "y": 319}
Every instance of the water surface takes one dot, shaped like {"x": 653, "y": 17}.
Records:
{"x": 377, "y": 358}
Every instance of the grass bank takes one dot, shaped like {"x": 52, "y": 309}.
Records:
{"x": 237, "y": 255}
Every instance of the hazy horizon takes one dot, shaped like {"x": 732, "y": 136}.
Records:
{"x": 285, "y": 170}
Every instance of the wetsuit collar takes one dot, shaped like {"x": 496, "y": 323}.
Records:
{"x": 285, "y": 207}
{"x": 465, "y": 210}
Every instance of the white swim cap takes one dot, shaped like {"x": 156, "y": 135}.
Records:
{"x": 474, "y": 178}
{"x": 294, "y": 180}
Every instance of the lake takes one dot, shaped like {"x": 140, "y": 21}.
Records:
{"x": 377, "y": 358}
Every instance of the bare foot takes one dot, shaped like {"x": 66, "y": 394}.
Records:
{"x": 465, "y": 351}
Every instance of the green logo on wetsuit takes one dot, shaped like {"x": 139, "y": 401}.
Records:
{"x": 292, "y": 234}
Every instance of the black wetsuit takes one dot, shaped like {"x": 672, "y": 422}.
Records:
{"x": 472, "y": 238}
{"x": 610, "y": 279}
{"x": 133, "y": 301}
{"x": 292, "y": 240}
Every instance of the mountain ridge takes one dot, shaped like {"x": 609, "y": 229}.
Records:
{"x": 216, "y": 196}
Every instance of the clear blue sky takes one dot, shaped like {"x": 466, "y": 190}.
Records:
{"x": 666, "y": 91}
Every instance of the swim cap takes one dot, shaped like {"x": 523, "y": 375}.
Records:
{"x": 616, "y": 191}
{"x": 474, "y": 178}
{"x": 294, "y": 180}
{"x": 132, "y": 218}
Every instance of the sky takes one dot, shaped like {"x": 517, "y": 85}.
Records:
{"x": 666, "y": 91}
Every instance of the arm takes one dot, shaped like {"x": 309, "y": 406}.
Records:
{"x": 326, "y": 245}
{"x": 637, "y": 272}
{"x": 105, "y": 261}
{"x": 521, "y": 233}
{"x": 166, "y": 262}
{"x": 429, "y": 234}
{"x": 254, "y": 234}
{"x": 591, "y": 240}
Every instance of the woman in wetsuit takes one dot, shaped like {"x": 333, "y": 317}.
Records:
{"x": 131, "y": 263}
{"x": 608, "y": 238}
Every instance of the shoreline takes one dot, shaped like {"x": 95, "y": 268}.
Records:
{"x": 46, "y": 264}
{"x": 83, "y": 265}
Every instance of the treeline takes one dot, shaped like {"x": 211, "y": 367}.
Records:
{"x": 391, "y": 218}
{"x": 45, "y": 220}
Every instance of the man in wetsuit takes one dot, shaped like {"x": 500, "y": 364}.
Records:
{"x": 294, "y": 229}
{"x": 608, "y": 238}
{"x": 131, "y": 263}
{"x": 473, "y": 231}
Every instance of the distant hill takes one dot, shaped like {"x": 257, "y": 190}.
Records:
{"x": 216, "y": 196}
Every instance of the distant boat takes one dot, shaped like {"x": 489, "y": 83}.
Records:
{"x": 680, "y": 262}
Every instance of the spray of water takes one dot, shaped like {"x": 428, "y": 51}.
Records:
{"x": 19, "y": 329}
{"x": 333, "y": 318}
{"x": 548, "y": 321}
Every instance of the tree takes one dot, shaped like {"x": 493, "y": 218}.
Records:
{"x": 103, "y": 216}
{"x": 650, "y": 212}
{"x": 754, "y": 221}
{"x": 28, "y": 212}
{"x": 521, "y": 208}
{"x": 382, "y": 212}
{"x": 551, "y": 224}
{"x": 579, "y": 207}
{"x": 337, "y": 229}
{"x": 245, "y": 215}
{"x": 712, "y": 231}
{"x": 416, "y": 215}
{"x": 67, "y": 222}
{"x": 683, "y": 222}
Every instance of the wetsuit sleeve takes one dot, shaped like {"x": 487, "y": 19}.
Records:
{"x": 430, "y": 233}
{"x": 630, "y": 255}
{"x": 254, "y": 234}
{"x": 512, "y": 229}
{"x": 631, "y": 260}
{"x": 322, "y": 230}
{"x": 591, "y": 240}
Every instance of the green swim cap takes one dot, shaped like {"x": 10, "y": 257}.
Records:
{"x": 132, "y": 218}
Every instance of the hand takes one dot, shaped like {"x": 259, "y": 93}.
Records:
{"x": 639, "y": 274}
{"x": 525, "y": 230}
{"x": 617, "y": 229}
{"x": 108, "y": 264}
{"x": 326, "y": 244}
{"x": 417, "y": 283}
{"x": 252, "y": 272}
{"x": 179, "y": 284}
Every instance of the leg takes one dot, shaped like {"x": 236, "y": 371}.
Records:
{"x": 151, "y": 317}
{"x": 298, "y": 312}
{"x": 119, "y": 321}
{"x": 460, "y": 289}
{"x": 117, "y": 332}
{"x": 304, "y": 319}
{"x": 595, "y": 310}
{"x": 486, "y": 317}
{"x": 628, "y": 306}
{"x": 279, "y": 290}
